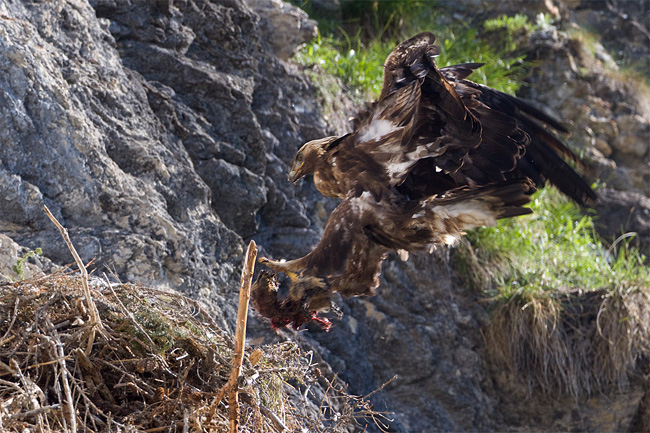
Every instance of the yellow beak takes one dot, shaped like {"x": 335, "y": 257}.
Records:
{"x": 294, "y": 174}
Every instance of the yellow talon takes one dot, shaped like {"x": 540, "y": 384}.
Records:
{"x": 281, "y": 267}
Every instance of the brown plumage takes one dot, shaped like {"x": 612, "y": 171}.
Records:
{"x": 436, "y": 155}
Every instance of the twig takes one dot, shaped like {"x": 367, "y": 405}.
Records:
{"x": 142, "y": 386}
{"x": 69, "y": 404}
{"x": 7, "y": 368}
{"x": 32, "y": 390}
{"x": 10, "y": 385}
{"x": 92, "y": 308}
{"x": 161, "y": 428}
{"x": 217, "y": 400}
{"x": 365, "y": 397}
{"x": 93, "y": 375}
{"x": 240, "y": 334}
{"x": 11, "y": 324}
{"x": 186, "y": 421}
{"x": 275, "y": 420}
{"x": 43, "y": 364}
{"x": 34, "y": 412}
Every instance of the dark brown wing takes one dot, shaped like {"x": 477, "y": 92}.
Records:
{"x": 418, "y": 115}
{"x": 459, "y": 72}
{"x": 441, "y": 220}
{"x": 516, "y": 143}
{"x": 545, "y": 154}
{"x": 502, "y": 144}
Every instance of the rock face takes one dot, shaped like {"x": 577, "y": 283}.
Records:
{"x": 284, "y": 26}
{"x": 80, "y": 135}
{"x": 608, "y": 109}
{"x": 148, "y": 135}
{"x": 159, "y": 134}
{"x": 609, "y": 112}
{"x": 627, "y": 211}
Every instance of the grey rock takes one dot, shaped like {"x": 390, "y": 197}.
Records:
{"x": 31, "y": 264}
{"x": 284, "y": 26}
{"x": 633, "y": 145}
{"x": 626, "y": 212}
{"x": 608, "y": 114}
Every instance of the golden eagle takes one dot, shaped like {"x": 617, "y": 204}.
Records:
{"x": 435, "y": 155}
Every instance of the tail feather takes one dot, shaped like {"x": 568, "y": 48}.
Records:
{"x": 551, "y": 168}
{"x": 484, "y": 205}
{"x": 507, "y": 193}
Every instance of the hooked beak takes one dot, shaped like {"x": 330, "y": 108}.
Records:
{"x": 294, "y": 175}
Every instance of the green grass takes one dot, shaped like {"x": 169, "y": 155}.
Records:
{"x": 18, "y": 268}
{"x": 385, "y": 20}
{"x": 346, "y": 50}
{"x": 358, "y": 65}
{"x": 555, "y": 248}
{"x": 502, "y": 70}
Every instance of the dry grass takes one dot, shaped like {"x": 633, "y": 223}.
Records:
{"x": 160, "y": 364}
{"x": 575, "y": 343}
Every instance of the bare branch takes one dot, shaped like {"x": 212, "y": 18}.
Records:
{"x": 240, "y": 334}
{"x": 92, "y": 308}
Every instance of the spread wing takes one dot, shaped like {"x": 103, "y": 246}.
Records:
{"x": 544, "y": 155}
{"x": 418, "y": 115}
{"x": 433, "y": 130}
{"x": 516, "y": 142}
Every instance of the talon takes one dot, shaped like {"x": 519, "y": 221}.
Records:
{"x": 280, "y": 266}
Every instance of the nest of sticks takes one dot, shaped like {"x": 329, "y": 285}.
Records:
{"x": 79, "y": 353}
{"x": 159, "y": 364}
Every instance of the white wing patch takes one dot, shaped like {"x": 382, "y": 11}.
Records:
{"x": 377, "y": 129}
{"x": 398, "y": 170}
{"x": 469, "y": 214}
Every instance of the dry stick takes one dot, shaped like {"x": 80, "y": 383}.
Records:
{"x": 277, "y": 422}
{"x": 55, "y": 340}
{"x": 3, "y": 341}
{"x": 365, "y": 397}
{"x": 217, "y": 400}
{"x": 34, "y": 412}
{"x": 186, "y": 421}
{"x": 92, "y": 308}
{"x": 240, "y": 334}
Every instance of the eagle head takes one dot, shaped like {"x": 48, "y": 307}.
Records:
{"x": 308, "y": 156}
